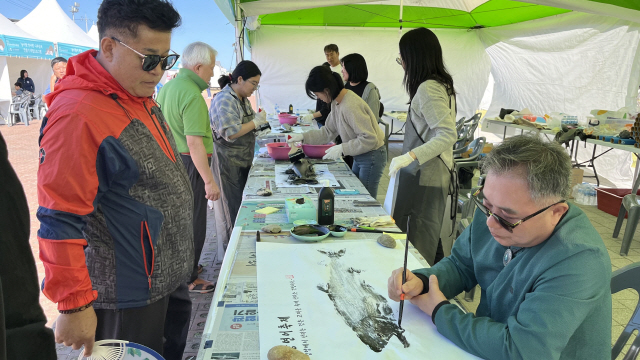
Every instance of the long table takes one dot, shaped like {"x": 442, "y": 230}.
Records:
{"x": 630, "y": 148}
{"x": 231, "y": 329}
{"x": 522, "y": 128}
{"x": 399, "y": 116}
{"x": 574, "y": 147}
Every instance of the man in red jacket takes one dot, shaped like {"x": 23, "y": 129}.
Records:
{"x": 116, "y": 205}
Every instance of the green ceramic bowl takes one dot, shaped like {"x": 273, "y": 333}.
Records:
{"x": 305, "y": 222}
{"x": 312, "y": 237}
{"x": 338, "y": 230}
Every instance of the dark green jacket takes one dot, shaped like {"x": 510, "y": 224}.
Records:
{"x": 552, "y": 301}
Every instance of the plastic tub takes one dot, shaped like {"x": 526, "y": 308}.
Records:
{"x": 285, "y": 115}
{"x": 292, "y": 120}
{"x": 609, "y": 200}
{"x": 278, "y": 151}
{"x": 316, "y": 151}
{"x": 618, "y": 124}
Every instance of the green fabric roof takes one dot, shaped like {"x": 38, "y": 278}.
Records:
{"x": 491, "y": 13}
{"x": 629, "y": 4}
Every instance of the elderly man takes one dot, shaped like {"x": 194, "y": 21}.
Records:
{"x": 544, "y": 270}
{"x": 59, "y": 67}
{"x": 188, "y": 117}
{"x": 116, "y": 206}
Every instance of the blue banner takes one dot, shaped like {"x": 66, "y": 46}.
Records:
{"x": 68, "y": 50}
{"x": 27, "y": 48}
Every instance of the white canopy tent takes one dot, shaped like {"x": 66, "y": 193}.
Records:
{"x": 39, "y": 69}
{"x": 48, "y": 21}
{"x": 571, "y": 62}
{"x": 93, "y": 34}
{"x": 284, "y": 55}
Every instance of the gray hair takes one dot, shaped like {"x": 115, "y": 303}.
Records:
{"x": 198, "y": 53}
{"x": 545, "y": 165}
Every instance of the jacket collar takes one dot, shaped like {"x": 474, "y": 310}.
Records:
{"x": 189, "y": 74}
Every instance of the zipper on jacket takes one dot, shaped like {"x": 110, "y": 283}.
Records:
{"x": 168, "y": 148}
{"x": 144, "y": 225}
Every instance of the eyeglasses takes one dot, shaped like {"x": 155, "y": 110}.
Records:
{"x": 255, "y": 84}
{"x": 504, "y": 223}
{"x": 399, "y": 61}
{"x": 149, "y": 62}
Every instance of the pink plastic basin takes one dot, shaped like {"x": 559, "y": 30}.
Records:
{"x": 278, "y": 151}
{"x": 315, "y": 151}
{"x": 285, "y": 115}
{"x": 289, "y": 120}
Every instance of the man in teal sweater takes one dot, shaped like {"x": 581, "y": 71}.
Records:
{"x": 544, "y": 270}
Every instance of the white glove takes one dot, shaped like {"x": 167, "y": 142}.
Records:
{"x": 333, "y": 153}
{"x": 260, "y": 119}
{"x": 398, "y": 163}
{"x": 307, "y": 118}
{"x": 294, "y": 138}
{"x": 265, "y": 132}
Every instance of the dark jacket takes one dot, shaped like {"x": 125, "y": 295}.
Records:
{"x": 116, "y": 205}
{"x": 27, "y": 83}
{"x": 23, "y": 334}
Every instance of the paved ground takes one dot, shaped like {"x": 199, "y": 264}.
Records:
{"x": 22, "y": 142}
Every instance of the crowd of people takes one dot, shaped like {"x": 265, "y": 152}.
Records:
{"x": 123, "y": 184}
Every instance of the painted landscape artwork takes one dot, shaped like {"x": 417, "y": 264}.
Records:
{"x": 329, "y": 300}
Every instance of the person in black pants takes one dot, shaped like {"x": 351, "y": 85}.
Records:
{"x": 23, "y": 334}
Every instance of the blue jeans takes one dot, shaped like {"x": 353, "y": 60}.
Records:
{"x": 369, "y": 166}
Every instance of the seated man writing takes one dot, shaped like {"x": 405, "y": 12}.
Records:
{"x": 544, "y": 270}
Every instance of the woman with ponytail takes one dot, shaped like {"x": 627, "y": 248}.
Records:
{"x": 353, "y": 120}
{"x": 234, "y": 125}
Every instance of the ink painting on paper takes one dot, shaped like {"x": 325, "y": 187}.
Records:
{"x": 329, "y": 300}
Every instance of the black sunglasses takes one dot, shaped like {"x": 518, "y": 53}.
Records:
{"x": 504, "y": 223}
{"x": 149, "y": 62}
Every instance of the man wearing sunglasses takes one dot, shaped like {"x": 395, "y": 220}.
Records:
{"x": 543, "y": 269}
{"x": 116, "y": 204}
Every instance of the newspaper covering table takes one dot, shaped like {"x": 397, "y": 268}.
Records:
{"x": 231, "y": 329}
{"x": 232, "y": 326}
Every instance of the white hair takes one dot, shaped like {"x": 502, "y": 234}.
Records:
{"x": 198, "y": 53}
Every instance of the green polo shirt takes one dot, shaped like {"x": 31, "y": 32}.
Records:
{"x": 185, "y": 109}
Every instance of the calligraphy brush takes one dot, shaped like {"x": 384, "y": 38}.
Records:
{"x": 372, "y": 230}
{"x": 404, "y": 275}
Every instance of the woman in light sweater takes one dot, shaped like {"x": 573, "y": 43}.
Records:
{"x": 353, "y": 120}
{"x": 427, "y": 151}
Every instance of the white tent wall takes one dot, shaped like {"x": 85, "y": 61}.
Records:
{"x": 570, "y": 63}
{"x": 39, "y": 71}
{"x": 286, "y": 54}
{"x": 5, "y": 89}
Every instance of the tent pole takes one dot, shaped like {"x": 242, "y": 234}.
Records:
{"x": 400, "y": 20}
{"x": 239, "y": 33}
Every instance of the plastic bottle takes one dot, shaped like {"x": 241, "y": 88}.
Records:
{"x": 277, "y": 109}
{"x": 325, "y": 206}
